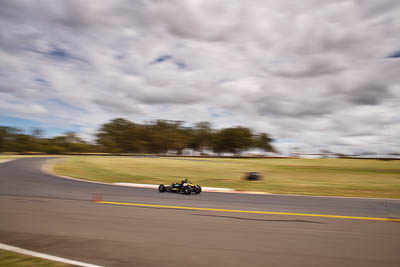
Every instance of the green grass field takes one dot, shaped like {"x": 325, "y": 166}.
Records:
{"x": 11, "y": 259}
{"x": 334, "y": 177}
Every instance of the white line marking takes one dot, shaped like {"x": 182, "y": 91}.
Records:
{"x": 45, "y": 256}
{"x": 5, "y": 160}
{"x": 153, "y": 186}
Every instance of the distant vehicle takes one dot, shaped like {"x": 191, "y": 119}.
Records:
{"x": 185, "y": 186}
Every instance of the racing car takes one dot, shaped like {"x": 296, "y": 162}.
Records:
{"x": 185, "y": 186}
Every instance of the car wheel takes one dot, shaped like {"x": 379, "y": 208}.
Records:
{"x": 161, "y": 188}
{"x": 197, "y": 189}
{"x": 187, "y": 190}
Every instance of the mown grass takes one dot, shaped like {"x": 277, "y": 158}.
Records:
{"x": 339, "y": 177}
{"x": 12, "y": 259}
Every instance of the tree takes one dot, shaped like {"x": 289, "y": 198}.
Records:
{"x": 123, "y": 136}
{"x": 166, "y": 135}
{"x": 115, "y": 136}
{"x": 8, "y": 137}
{"x": 201, "y": 136}
{"x": 263, "y": 141}
{"x": 234, "y": 140}
{"x": 37, "y": 132}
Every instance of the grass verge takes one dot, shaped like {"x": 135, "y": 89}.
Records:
{"x": 12, "y": 259}
{"x": 331, "y": 177}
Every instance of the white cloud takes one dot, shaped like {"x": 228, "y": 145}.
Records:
{"x": 313, "y": 72}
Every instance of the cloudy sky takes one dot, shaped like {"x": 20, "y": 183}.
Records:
{"x": 314, "y": 74}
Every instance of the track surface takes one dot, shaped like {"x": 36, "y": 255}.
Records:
{"x": 56, "y": 216}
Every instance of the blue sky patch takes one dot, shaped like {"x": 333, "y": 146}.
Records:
{"x": 42, "y": 81}
{"x": 165, "y": 58}
{"x": 60, "y": 53}
{"x": 180, "y": 65}
{"x": 162, "y": 59}
{"x": 27, "y": 125}
{"x": 17, "y": 122}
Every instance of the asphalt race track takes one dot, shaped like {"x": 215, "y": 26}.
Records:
{"x": 53, "y": 215}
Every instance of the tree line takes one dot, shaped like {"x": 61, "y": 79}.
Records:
{"x": 15, "y": 140}
{"x": 155, "y": 137}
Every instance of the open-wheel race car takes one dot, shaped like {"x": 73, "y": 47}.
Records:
{"x": 185, "y": 187}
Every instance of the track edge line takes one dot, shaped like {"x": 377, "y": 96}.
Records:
{"x": 45, "y": 256}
